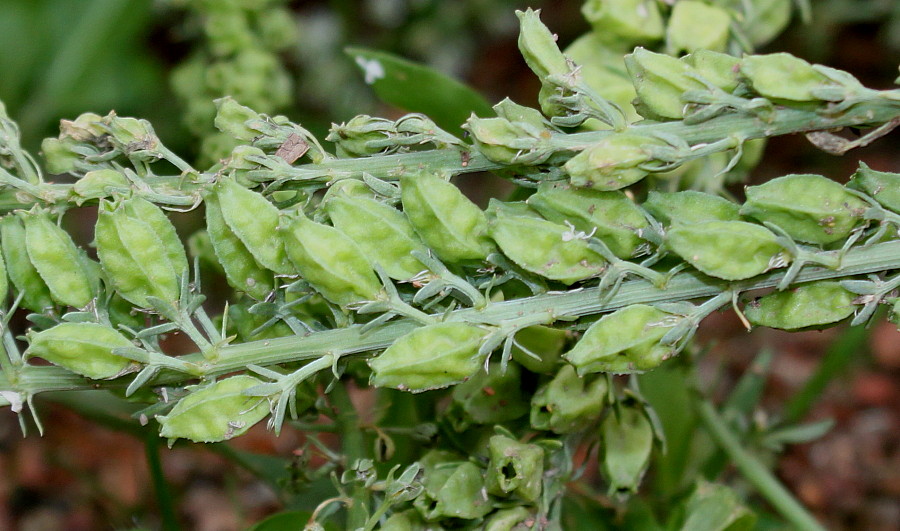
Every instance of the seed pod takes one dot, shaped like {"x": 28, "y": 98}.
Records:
{"x": 713, "y": 506}
{"x": 731, "y": 250}
{"x": 430, "y": 357}
{"x": 625, "y": 341}
{"x": 231, "y": 118}
{"x": 330, "y": 261}
{"x": 56, "y": 259}
{"x": 660, "y": 80}
{"x": 454, "y": 491}
{"x": 548, "y": 249}
{"x": 83, "y": 348}
{"x": 626, "y": 439}
{"x": 720, "y": 69}
{"x": 254, "y": 220}
{"x": 242, "y": 270}
{"x": 690, "y": 206}
{"x": 609, "y": 216}
{"x": 810, "y": 208}
{"x": 685, "y": 34}
{"x": 538, "y": 46}
{"x": 808, "y": 305}
{"x": 625, "y": 21}
{"x": 353, "y": 137}
{"x": 783, "y": 76}
{"x": 512, "y": 519}
{"x": 383, "y": 233}
{"x": 215, "y": 412}
{"x": 239, "y": 164}
{"x": 883, "y": 186}
{"x": 542, "y": 341}
{"x": 515, "y": 468}
{"x": 513, "y": 112}
{"x": 98, "y": 184}
{"x": 35, "y": 293}
{"x": 508, "y": 142}
{"x": 612, "y": 163}
{"x": 131, "y": 135}
{"x": 446, "y": 220}
{"x": 568, "y": 403}
{"x": 140, "y": 251}
{"x": 602, "y": 69}
{"x": 490, "y": 397}
{"x": 408, "y": 520}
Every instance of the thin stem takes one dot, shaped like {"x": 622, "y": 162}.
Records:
{"x": 754, "y": 471}
{"x": 160, "y": 486}
{"x": 353, "y": 445}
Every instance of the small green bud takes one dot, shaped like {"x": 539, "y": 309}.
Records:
{"x": 568, "y": 402}
{"x": 883, "y": 186}
{"x": 83, "y": 348}
{"x": 543, "y": 247}
{"x": 609, "y": 216}
{"x": 612, "y": 163}
{"x": 330, "y": 261}
{"x": 690, "y": 206}
{"x": 538, "y": 46}
{"x": 513, "y": 112}
{"x": 447, "y": 221}
{"x": 603, "y": 70}
{"x": 99, "y": 184}
{"x": 353, "y": 137}
{"x": 240, "y": 164}
{"x": 807, "y": 305}
{"x": 626, "y": 440}
{"x": 783, "y": 76}
{"x": 60, "y": 155}
{"x": 215, "y": 412}
{"x": 810, "y": 208}
{"x": 130, "y": 135}
{"x": 88, "y": 127}
{"x": 631, "y": 21}
{"x": 685, "y": 32}
{"x": 660, "y": 80}
{"x": 623, "y": 342}
{"x": 515, "y": 468}
{"x": 731, "y": 250}
{"x": 430, "y": 357}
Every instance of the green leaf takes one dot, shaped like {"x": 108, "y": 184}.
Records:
{"x": 418, "y": 88}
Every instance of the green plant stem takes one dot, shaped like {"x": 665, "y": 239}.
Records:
{"x": 754, "y": 471}
{"x": 353, "y": 447}
{"x": 687, "y": 285}
{"x": 160, "y": 486}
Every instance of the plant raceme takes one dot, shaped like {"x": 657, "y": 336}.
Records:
{"x": 372, "y": 265}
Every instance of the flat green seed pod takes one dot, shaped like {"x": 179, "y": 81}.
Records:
{"x": 807, "y": 305}
{"x": 35, "y": 293}
{"x": 810, "y": 208}
{"x": 254, "y": 220}
{"x": 626, "y": 440}
{"x": 446, "y": 220}
{"x": 623, "y": 342}
{"x": 83, "y": 348}
{"x": 330, "y": 261}
{"x": 612, "y": 163}
{"x": 153, "y": 216}
{"x": 543, "y": 247}
{"x": 720, "y": 69}
{"x": 782, "y": 76}
{"x": 242, "y": 270}
{"x": 215, "y": 412}
{"x": 134, "y": 257}
{"x": 731, "y": 250}
{"x": 515, "y": 468}
{"x": 568, "y": 402}
{"x": 543, "y": 341}
{"x": 383, "y": 233}
{"x": 660, "y": 80}
{"x": 609, "y": 216}
{"x": 55, "y": 257}
{"x": 456, "y": 491}
{"x": 430, "y": 357}
{"x": 883, "y": 186}
{"x": 690, "y": 206}
{"x": 504, "y": 403}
